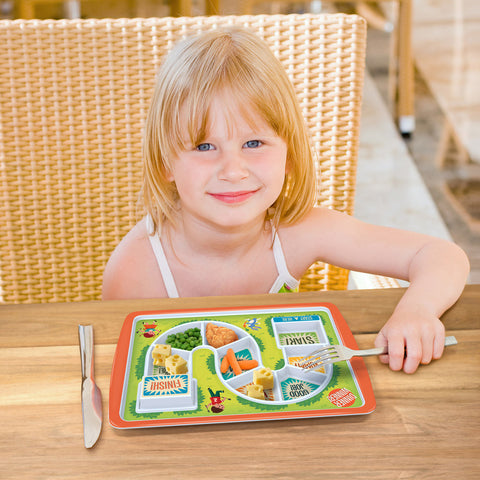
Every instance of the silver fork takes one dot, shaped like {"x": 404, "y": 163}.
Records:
{"x": 336, "y": 353}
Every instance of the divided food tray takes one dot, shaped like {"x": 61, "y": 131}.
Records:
{"x": 145, "y": 394}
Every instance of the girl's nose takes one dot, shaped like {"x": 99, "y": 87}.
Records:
{"x": 233, "y": 167}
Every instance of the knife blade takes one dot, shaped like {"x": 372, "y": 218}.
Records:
{"x": 91, "y": 395}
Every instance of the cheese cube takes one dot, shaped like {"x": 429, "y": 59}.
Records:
{"x": 176, "y": 365}
{"x": 255, "y": 391}
{"x": 160, "y": 354}
{"x": 264, "y": 377}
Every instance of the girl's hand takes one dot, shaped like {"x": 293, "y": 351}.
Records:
{"x": 413, "y": 337}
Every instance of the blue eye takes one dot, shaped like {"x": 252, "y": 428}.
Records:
{"x": 204, "y": 147}
{"x": 253, "y": 144}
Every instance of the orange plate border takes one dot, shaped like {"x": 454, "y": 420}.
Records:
{"x": 117, "y": 378}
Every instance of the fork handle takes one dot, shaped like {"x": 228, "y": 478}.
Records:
{"x": 383, "y": 350}
{"x": 372, "y": 351}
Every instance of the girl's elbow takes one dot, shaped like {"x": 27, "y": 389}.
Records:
{"x": 463, "y": 261}
{"x": 459, "y": 260}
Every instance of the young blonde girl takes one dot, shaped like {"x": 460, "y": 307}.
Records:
{"x": 229, "y": 189}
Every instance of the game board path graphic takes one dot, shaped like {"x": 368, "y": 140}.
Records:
{"x": 291, "y": 383}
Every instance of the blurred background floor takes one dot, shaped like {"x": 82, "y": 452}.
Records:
{"x": 429, "y": 182}
{"x": 446, "y": 143}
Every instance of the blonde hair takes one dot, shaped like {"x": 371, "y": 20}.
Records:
{"x": 197, "y": 69}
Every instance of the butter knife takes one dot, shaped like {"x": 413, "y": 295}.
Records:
{"x": 91, "y": 395}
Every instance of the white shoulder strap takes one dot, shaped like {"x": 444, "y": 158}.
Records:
{"x": 284, "y": 276}
{"x": 165, "y": 271}
{"x": 279, "y": 257}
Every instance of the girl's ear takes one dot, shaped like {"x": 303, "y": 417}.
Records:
{"x": 169, "y": 176}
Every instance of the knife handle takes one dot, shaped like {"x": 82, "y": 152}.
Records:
{"x": 85, "y": 334}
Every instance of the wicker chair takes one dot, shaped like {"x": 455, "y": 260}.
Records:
{"x": 74, "y": 94}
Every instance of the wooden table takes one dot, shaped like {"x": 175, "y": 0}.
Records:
{"x": 425, "y": 425}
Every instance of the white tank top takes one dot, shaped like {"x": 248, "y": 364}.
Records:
{"x": 284, "y": 282}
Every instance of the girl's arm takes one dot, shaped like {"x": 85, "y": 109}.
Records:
{"x": 436, "y": 269}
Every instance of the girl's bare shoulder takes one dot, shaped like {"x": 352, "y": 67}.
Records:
{"x": 319, "y": 222}
{"x": 304, "y": 241}
{"x": 133, "y": 243}
{"x": 131, "y": 271}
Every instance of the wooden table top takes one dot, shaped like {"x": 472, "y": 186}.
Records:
{"x": 425, "y": 425}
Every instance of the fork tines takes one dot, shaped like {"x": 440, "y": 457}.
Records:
{"x": 319, "y": 358}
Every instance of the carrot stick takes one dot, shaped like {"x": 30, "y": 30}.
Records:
{"x": 232, "y": 360}
{"x": 247, "y": 364}
{"x": 224, "y": 365}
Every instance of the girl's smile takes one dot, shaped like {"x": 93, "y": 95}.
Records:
{"x": 234, "y": 197}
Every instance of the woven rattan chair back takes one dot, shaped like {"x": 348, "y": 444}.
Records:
{"x": 73, "y": 98}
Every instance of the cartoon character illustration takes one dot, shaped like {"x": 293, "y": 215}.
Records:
{"x": 148, "y": 330}
{"x": 216, "y": 401}
{"x": 252, "y": 323}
